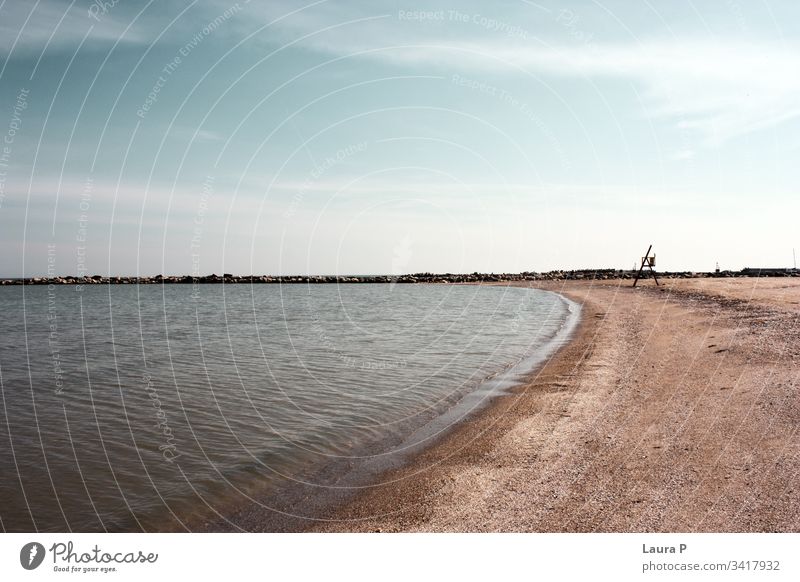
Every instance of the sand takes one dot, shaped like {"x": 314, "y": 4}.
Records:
{"x": 673, "y": 409}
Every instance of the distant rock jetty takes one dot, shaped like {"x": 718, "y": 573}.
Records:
{"x": 405, "y": 279}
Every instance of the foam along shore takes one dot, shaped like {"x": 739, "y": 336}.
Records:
{"x": 674, "y": 408}
{"x": 559, "y": 275}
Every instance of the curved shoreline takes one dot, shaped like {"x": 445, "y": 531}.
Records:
{"x": 466, "y": 433}
{"x": 475, "y": 401}
{"x": 348, "y": 478}
{"x": 672, "y": 409}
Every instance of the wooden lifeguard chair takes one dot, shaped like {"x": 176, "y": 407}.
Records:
{"x": 649, "y": 261}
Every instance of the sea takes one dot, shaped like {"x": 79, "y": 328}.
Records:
{"x": 161, "y": 407}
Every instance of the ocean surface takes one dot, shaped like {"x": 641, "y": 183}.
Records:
{"x": 128, "y": 408}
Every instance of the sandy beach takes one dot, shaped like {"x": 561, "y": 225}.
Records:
{"x": 673, "y": 409}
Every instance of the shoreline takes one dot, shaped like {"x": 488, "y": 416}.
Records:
{"x": 460, "y": 436}
{"x": 640, "y": 423}
{"x": 670, "y": 409}
{"x": 360, "y": 473}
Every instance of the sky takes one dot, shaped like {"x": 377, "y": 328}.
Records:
{"x": 371, "y": 137}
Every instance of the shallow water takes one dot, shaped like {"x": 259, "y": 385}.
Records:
{"x": 152, "y": 407}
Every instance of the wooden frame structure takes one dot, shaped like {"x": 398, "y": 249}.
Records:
{"x": 648, "y": 261}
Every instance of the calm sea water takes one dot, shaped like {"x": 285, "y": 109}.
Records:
{"x": 152, "y": 407}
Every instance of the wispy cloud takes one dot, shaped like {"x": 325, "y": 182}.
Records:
{"x": 721, "y": 89}
{"x": 616, "y": 195}
{"x": 29, "y": 27}
{"x": 718, "y": 89}
{"x": 194, "y": 135}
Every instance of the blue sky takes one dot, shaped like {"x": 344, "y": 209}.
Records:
{"x": 390, "y": 137}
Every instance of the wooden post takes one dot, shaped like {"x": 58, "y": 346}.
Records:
{"x": 646, "y": 261}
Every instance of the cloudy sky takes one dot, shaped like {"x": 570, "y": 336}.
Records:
{"x": 386, "y": 137}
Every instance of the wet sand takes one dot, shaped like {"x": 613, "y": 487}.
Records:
{"x": 673, "y": 409}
